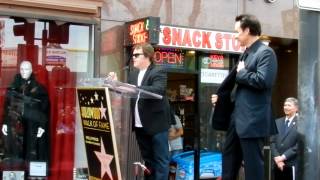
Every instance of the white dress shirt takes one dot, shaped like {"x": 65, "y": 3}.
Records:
{"x": 290, "y": 120}
{"x": 136, "y": 112}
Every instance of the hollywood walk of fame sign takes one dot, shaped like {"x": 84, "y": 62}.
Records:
{"x": 99, "y": 137}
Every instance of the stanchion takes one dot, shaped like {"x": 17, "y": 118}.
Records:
{"x": 137, "y": 167}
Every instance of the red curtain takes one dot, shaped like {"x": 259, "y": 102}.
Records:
{"x": 62, "y": 122}
{"x": 6, "y": 79}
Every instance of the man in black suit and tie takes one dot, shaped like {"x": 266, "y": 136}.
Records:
{"x": 250, "y": 115}
{"x": 285, "y": 144}
{"x": 151, "y": 117}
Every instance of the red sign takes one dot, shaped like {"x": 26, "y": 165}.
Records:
{"x": 138, "y": 32}
{"x": 143, "y": 30}
{"x": 198, "y": 39}
{"x": 213, "y": 61}
{"x": 216, "y": 61}
{"x": 170, "y": 58}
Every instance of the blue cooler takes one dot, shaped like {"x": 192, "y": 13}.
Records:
{"x": 210, "y": 165}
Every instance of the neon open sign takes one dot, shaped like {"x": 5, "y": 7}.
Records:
{"x": 169, "y": 58}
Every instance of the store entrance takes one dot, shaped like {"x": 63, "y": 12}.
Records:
{"x": 181, "y": 91}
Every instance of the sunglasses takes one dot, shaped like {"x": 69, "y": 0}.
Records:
{"x": 136, "y": 55}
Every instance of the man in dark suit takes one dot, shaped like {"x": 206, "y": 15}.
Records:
{"x": 251, "y": 115}
{"x": 151, "y": 117}
{"x": 285, "y": 144}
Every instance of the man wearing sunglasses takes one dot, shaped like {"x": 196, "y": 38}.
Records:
{"x": 151, "y": 117}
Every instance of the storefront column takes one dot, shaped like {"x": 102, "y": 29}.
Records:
{"x": 308, "y": 94}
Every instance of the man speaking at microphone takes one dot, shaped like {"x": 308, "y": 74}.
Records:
{"x": 151, "y": 117}
{"x": 251, "y": 117}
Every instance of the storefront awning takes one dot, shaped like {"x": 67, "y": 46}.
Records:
{"x": 57, "y": 9}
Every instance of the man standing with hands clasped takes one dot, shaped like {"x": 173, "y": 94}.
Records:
{"x": 284, "y": 145}
{"x": 251, "y": 117}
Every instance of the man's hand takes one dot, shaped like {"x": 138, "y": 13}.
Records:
{"x": 240, "y": 66}
{"x": 113, "y": 76}
{"x": 280, "y": 165}
{"x": 4, "y": 129}
{"x": 281, "y": 158}
{"x": 214, "y": 99}
{"x": 171, "y": 133}
{"x": 40, "y": 132}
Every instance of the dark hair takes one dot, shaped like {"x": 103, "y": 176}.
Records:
{"x": 251, "y": 22}
{"x": 147, "y": 49}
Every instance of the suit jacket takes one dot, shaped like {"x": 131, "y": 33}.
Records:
{"x": 286, "y": 142}
{"x": 252, "y": 113}
{"x": 224, "y": 106}
{"x": 154, "y": 113}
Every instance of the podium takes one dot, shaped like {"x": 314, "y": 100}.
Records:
{"x": 105, "y": 116}
{"x": 125, "y": 89}
{"x": 130, "y": 90}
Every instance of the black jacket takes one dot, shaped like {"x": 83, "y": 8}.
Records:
{"x": 252, "y": 113}
{"x": 286, "y": 142}
{"x": 154, "y": 113}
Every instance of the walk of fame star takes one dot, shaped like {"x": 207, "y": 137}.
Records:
{"x": 103, "y": 111}
{"x": 105, "y": 160}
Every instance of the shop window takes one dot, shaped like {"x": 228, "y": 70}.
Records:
{"x": 214, "y": 67}
{"x": 59, "y": 54}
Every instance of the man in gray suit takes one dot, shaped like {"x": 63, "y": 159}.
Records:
{"x": 251, "y": 115}
{"x": 285, "y": 144}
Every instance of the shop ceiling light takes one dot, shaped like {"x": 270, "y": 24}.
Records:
{"x": 265, "y": 39}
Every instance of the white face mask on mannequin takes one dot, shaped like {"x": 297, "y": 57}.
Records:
{"x": 25, "y": 69}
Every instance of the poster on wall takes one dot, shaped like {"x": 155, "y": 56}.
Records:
{"x": 214, "y": 68}
{"x": 215, "y": 76}
{"x": 56, "y": 56}
{"x": 9, "y": 57}
{"x": 99, "y": 136}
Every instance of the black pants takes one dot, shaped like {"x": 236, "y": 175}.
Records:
{"x": 155, "y": 152}
{"x": 286, "y": 174}
{"x": 237, "y": 149}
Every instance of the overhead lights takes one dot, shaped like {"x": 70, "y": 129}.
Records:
{"x": 265, "y": 39}
{"x": 191, "y": 52}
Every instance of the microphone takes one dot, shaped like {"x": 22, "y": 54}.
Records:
{"x": 143, "y": 167}
{"x": 124, "y": 68}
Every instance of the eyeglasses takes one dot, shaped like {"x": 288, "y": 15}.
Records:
{"x": 136, "y": 55}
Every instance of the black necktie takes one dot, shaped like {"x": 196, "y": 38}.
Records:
{"x": 244, "y": 55}
{"x": 286, "y": 126}
{"x": 233, "y": 92}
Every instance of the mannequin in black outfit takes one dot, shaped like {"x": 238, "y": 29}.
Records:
{"x": 25, "y": 123}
